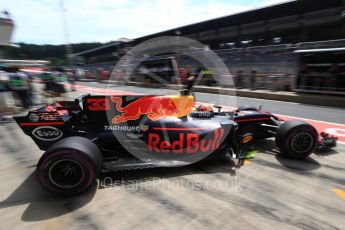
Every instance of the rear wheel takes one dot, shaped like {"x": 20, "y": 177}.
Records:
{"x": 296, "y": 139}
{"x": 70, "y": 166}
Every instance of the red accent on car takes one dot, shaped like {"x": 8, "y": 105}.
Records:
{"x": 40, "y": 123}
{"x": 180, "y": 129}
{"x": 254, "y": 119}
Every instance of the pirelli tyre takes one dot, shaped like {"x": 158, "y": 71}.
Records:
{"x": 296, "y": 139}
{"x": 70, "y": 166}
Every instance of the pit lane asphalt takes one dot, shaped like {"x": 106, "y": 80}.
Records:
{"x": 321, "y": 113}
{"x": 268, "y": 192}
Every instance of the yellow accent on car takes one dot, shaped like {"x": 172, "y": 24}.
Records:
{"x": 247, "y": 139}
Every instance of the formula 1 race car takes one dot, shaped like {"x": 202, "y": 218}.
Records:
{"x": 94, "y": 133}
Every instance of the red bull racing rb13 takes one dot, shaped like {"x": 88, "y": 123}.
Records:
{"x": 82, "y": 138}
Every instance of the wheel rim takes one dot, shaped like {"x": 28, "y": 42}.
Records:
{"x": 302, "y": 142}
{"x": 66, "y": 173}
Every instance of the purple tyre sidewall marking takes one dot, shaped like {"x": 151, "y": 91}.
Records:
{"x": 67, "y": 154}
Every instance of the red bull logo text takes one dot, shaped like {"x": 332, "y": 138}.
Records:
{"x": 187, "y": 142}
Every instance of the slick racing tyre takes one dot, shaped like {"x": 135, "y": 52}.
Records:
{"x": 296, "y": 139}
{"x": 69, "y": 166}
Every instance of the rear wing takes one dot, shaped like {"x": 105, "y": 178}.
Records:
{"x": 50, "y": 123}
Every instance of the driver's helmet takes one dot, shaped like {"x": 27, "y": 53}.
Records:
{"x": 204, "y": 108}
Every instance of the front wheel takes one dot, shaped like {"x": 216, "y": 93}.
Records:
{"x": 296, "y": 139}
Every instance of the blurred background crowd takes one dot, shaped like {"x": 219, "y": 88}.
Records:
{"x": 21, "y": 89}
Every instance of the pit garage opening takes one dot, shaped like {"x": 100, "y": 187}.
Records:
{"x": 321, "y": 70}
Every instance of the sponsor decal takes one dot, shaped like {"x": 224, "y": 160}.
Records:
{"x": 136, "y": 128}
{"x": 205, "y": 114}
{"x": 155, "y": 107}
{"x": 98, "y": 104}
{"x": 49, "y": 117}
{"x": 34, "y": 117}
{"x": 144, "y": 128}
{"x": 187, "y": 142}
{"x": 47, "y": 133}
{"x": 247, "y": 139}
{"x": 44, "y": 117}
